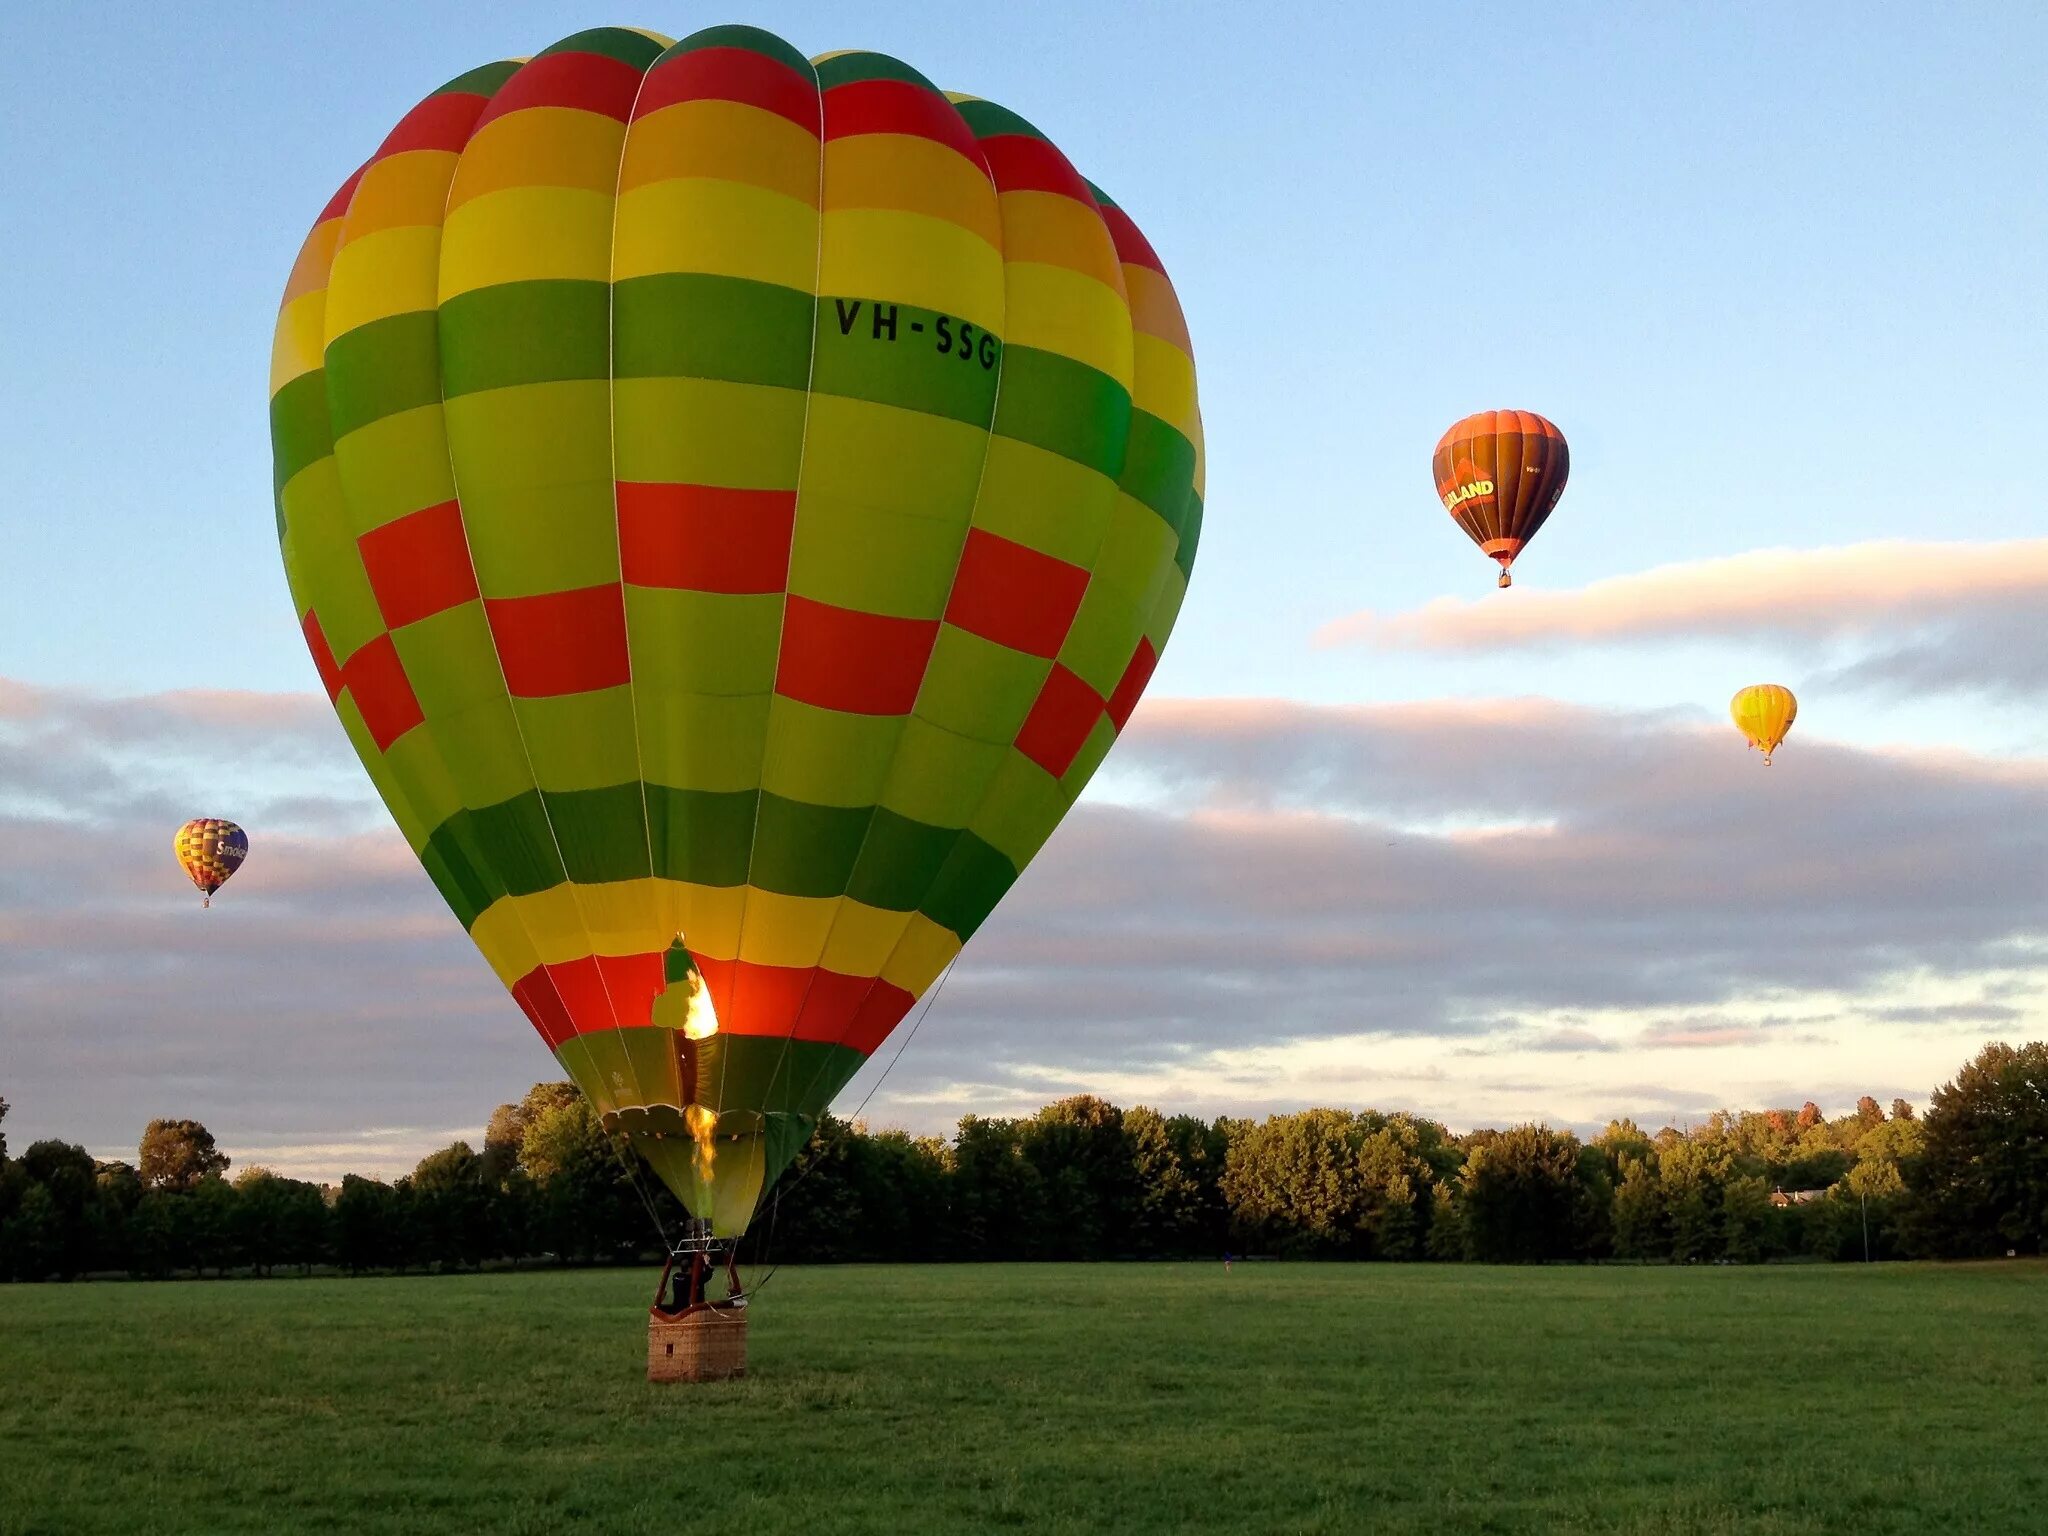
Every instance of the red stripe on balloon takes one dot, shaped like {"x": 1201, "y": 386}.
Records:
{"x": 897, "y": 106}
{"x": 588, "y": 82}
{"x": 1014, "y": 595}
{"x": 375, "y": 678}
{"x": 418, "y": 564}
{"x": 1019, "y": 163}
{"x": 705, "y": 538}
{"x": 323, "y": 656}
{"x": 1059, "y": 722}
{"x": 1132, "y": 248}
{"x": 1132, "y": 684}
{"x": 442, "y": 122}
{"x": 861, "y": 663}
{"x": 561, "y": 642}
{"x": 731, "y": 74}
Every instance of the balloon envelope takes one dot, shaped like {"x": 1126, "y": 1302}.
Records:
{"x": 1499, "y": 474}
{"x": 1764, "y": 712}
{"x": 733, "y": 502}
{"x": 210, "y": 850}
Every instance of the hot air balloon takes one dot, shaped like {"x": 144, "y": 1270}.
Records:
{"x": 1500, "y": 473}
{"x": 210, "y": 850}
{"x": 733, "y": 501}
{"x": 1764, "y": 712}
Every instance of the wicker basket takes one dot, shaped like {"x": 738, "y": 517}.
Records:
{"x": 703, "y": 1344}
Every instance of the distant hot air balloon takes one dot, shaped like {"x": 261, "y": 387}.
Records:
{"x": 1764, "y": 712}
{"x": 1499, "y": 473}
{"x": 734, "y": 502}
{"x": 210, "y": 850}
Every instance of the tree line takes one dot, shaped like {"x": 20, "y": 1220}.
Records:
{"x": 1084, "y": 1179}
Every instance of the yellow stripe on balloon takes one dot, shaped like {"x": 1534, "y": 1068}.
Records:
{"x": 382, "y": 275}
{"x": 539, "y": 147}
{"x": 725, "y": 140}
{"x": 400, "y": 191}
{"x": 912, "y": 175}
{"x": 1056, "y": 309}
{"x": 1166, "y": 384}
{"x": 570, "y": 922}
{"x": 911, "y": 258}
{"x": 1046, "y": 227}
{"x": 526, "y": 233}
{"x": 1155, "y": 309}
{"x": 297, "y": 348}
{"x": 725, "y": 227}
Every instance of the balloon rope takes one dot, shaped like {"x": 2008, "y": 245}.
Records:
{"x": 775, "y": 1200}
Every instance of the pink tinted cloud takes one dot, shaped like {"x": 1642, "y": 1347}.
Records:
{"x": 1861, "y": 590}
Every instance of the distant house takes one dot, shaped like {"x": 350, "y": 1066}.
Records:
{"x": 1781, "y": 1198}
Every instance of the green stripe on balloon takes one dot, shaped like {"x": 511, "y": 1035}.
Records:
{"x": 620, "y": 43}
{"x": 382, "y": 368}
{"x": 1065, "y": 407}
{"x": 1159, "y": 467}
{"x": 889, "y": 353}
{"x": 300, "y": 433}
{"x": 752, "y": 39}
{"x": 849, "y": 68}
{"x": 704, "y": 326}
{"x": 483, "y": 81}
{"x": 536, "y": 332}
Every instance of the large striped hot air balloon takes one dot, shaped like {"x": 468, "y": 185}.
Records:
{"x": 733, "y": 501}
{"x": 1499, "y": 474}
{"x": 210, "y": 850}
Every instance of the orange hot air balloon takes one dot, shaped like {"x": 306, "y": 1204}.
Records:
{"x": 1499, "y": 473}
{"x": 1764, "y": 712}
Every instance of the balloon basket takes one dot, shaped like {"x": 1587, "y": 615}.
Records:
{"x": 708, "y": 1343}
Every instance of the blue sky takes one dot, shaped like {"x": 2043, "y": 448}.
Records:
{"x": 1776, "y": 271}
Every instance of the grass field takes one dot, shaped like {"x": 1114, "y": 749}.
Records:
{"x": 1310, "y": 1398}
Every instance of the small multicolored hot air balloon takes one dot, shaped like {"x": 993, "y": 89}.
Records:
{"x": 731, "y": 496}
{"x": 1764, "y": 712}
{"x": 1499, "y": 474}
{"x": 210, "y": 850}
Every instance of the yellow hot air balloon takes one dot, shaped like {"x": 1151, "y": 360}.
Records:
{"x": 1764, "y": 712}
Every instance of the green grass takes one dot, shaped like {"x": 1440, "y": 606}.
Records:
{"x": 1127, "y": 1398}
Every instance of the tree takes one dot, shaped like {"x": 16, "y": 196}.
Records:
{"x": 1745, "y": 1219}
{"x": 1329, "y": 1182}
{"x": 1446, "y": 1239}
{"x": 178, "y": 1154}
{"x": 505, "y": 1136}
{"x": 1176, "y": 1167}
{"x": 1639, "y": 1226}
{"x": 1980, "y": 1180}
{"x": 57, "y": 1229}
{"x": 586, "y": 1203}
{"x": 1083, "y": 1160}
{"x": 454, "y": 1206}
{"x": 1691, "y": 1175}
{"x": 999, "y": 1199}
{"x": 1523, "y": 1196}
{"x": 363, "y": 1238}
{"x": 1868, "y": 1112}
{"x": 1809, "y": 1116}
{"x": 1901, "y": 1110}
{"x": 3, "y": 1134}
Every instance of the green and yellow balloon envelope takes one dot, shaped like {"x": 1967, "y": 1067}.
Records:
{"x": 733, "y": 501}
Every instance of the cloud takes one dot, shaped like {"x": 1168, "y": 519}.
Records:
{"x": 1926, "y": 616}
{"x": 1274, "y": 903}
